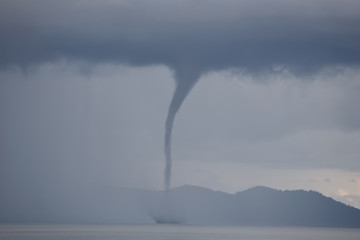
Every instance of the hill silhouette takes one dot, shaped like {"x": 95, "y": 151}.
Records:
{"x": 259, "y": 206}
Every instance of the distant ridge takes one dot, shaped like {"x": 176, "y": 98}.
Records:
{"x": 264, "y": 206}
{"x": 258, "y": 206}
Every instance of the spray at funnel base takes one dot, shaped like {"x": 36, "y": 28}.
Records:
{"x": 168, "y": 210}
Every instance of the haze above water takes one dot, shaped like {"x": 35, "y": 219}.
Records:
{"x": 85, "y": 88}
{"x": 168, "y": 232}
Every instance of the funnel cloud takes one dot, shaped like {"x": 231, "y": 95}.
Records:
{"x": 185, "y": 80}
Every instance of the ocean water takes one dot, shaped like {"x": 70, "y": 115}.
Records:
{"x": 171, "y": 232}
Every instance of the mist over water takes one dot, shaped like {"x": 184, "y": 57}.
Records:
{"x": 52, "y": 137}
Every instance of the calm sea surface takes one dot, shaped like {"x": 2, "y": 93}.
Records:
{"x": 171, "y": 232}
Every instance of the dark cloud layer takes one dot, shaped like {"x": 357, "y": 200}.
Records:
{"x": 201, "y": 35}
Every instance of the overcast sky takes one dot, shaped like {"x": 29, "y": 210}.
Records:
{"x": 85, "y": 87}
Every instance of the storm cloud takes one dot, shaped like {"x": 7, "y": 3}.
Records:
{"x": 199, "y": 35}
